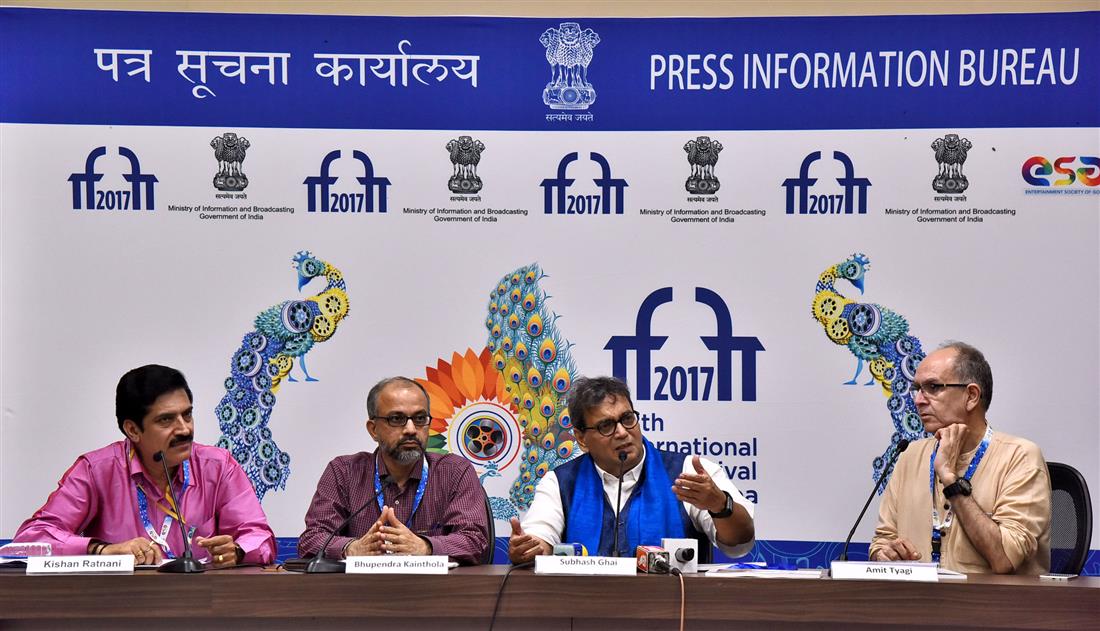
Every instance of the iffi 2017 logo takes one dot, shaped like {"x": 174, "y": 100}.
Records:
{"x": 323, "y": 199}
{"x": 558, "y": 199}
{"x": 801, "y": 200}
{"x": 139, "y": 196}
{"x": 695, "y": 383}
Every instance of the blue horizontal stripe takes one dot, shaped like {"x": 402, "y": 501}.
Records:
{"x": 49, "y": 73}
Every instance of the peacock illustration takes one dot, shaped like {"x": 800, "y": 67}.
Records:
{"x": 502, "y": 507}
{"x": 878, "y": 337}
{"x": 534, "y": 360}
{"x": 284, "y": 332}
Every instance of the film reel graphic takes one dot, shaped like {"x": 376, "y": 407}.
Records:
{"x": 485, "y": 433}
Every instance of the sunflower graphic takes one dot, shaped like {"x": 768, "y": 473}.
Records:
{"x": 473, "y": 416}
{"x": 504, "y": 408}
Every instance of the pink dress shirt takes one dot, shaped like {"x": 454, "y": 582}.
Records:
{"x": 97, "y": 499}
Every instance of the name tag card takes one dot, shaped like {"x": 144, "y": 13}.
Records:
{"x": 885, "y": 571}
{"x": 84, "y": 564}
{"x": 393, "y": 564}
{"x": 591, "y": 566}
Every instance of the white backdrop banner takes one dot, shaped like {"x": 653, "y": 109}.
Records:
{"x": 764, "y": 262}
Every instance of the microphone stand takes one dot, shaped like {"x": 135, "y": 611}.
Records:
{"x": 619, "y": 502}
{"x": 903, "y": 444}
{"x": 321, "y": 565}
{"x": 186, "y": 564}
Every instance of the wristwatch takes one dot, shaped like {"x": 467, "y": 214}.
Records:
{"x": 960, "y": 487}
{"x": 725, "y": 512}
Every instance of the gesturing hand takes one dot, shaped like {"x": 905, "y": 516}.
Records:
{"x": 699, "y": 489}
{"x": 523, "y": 547}
{"x": 222, "y": 550}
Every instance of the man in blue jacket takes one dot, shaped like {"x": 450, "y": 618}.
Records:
{"x": 664, "y": 494}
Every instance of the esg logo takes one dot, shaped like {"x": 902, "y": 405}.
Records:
{"x": 1037, "y": 168}
{"x": 696, "y": 382}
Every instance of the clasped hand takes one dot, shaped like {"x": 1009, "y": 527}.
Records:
{"x": 389, "y": 536}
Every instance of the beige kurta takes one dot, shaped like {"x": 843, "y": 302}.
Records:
{"x": 1011, "y": 485}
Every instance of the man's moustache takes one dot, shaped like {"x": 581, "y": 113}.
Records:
{"x": 181, "y": 440}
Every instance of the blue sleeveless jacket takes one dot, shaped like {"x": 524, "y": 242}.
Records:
{"x": 673, "y": 464}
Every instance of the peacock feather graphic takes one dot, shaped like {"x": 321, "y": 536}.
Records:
{"x": 534, "y": 361}
{"x": 877, "y": 337}
{"x": 283, "y": 333}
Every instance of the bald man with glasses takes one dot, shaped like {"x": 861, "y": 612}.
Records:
{"x": 664, "y": 494}
{"x": 417, "y": 502}
{"x": 972, "y": 499}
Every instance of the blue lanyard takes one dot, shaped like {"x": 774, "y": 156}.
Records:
{"x": 419, "y": 488}
{"x": 938, "y": 528}
{"x": 161, "y": 539}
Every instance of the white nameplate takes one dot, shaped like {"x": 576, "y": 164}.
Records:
{"x": 885, "y": 571}
{"x": 84, "y": 564}
{"x": 395, "y": 564}
{"x": 592, "y": 566}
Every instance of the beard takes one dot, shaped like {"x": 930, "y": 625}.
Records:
{"x": 406, "y": 452}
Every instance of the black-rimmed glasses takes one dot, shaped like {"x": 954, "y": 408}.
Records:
{"x": 399, "y": 420}
{"x": 606, "y": 427}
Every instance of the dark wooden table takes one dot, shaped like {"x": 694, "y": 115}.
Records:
{"x": 253, "y": 598}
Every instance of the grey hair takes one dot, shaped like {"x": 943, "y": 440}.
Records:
{"x": 972, "y": 367}
{"x": 376, "y": 391}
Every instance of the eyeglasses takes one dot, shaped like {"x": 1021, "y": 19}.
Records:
{"x": 398, "y": 420}
{"x": 931, "y": 388}
{"x": 606, "y": 427}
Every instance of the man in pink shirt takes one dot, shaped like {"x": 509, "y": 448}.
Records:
{"x": 115, "y": 500}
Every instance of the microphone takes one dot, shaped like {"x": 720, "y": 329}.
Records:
{"x": 319, "y": 564}
{"x": 902, "y": 445}
{"x": 186, "y": 564}
{"x": 570, "y": 550}
{"x": 683, "y": 553}
{"x": 652, "y": 560}
{"x": 619, "y": 502}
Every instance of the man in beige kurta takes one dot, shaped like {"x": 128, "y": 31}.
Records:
{"x": 998, "y": 518}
